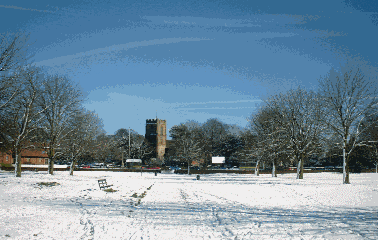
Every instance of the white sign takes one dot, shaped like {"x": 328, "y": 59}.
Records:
{"x": 218, "y": 159}
{"x": 134, "y": 160}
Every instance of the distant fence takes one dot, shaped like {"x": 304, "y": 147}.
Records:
{"x": 208, "y": 171}
{"x": 30, "y": 167}
{"x": 118, "y": 169}
{"x": 247, "y": 168}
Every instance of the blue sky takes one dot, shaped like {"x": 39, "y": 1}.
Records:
{"x": 191, "y": 60}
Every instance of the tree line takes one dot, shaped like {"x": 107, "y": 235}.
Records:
{"x": 192, "y": 141}
{"x": 339, "y": 121}
{"x": 41, "y": 111}
{"x": 44, "y": 112}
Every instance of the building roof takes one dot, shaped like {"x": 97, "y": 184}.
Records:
{"x": 34, "y": 153}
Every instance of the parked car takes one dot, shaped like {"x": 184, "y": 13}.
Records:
{"x": 174, "y": 168}
{"x": 329, "y": 167}
{"x": 234, "y": 168}
{"x": 97, "y": 165}
{"x": 214, "y": 167}
{"x": 154, "y": 168}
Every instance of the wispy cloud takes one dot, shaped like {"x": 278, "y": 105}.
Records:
{"x": 25, "y": 9}
{"x": 82, "y": 57}
{"x": 219, "y": 102}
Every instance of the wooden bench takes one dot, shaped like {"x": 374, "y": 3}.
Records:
{"x": 103, "y": 184}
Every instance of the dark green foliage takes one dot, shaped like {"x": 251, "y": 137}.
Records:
{"x": 110, "y": 190}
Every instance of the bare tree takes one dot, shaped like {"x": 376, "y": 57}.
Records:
{"x": 131, "y": 143}
{"x": 369, "y": 137}
{"x": 84, "y": 128}
{"x": 214, "y": 133}
{"x": 259, "y": 153}
{"x": 12, "y": 58}
{"x": 186, "y": 142}
{"x": 375, "y": 156}
{"x": 269, "y": 126}
{"x": 61, "y": 101}
{"x": 12, "y": 51}
{"x": 104, "y": 146}
{"x": 348, "y": 98}
{"x": 302, "y": 113}
{"x": 23, "y": 116}
{"x": 142, "y": 149}
{"x": 123, "y": 142}
{"x": 10, "y": 87}
{"x": 247, "y": 152}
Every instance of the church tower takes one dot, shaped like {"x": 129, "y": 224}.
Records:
{"x": 156, "y": 135}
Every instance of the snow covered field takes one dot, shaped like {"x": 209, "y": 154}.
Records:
{"x": 171, "y": 206}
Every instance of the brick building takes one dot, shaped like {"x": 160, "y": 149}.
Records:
{"x": 156, "y": 135}
{"x": 6, "y": 158}
{"x": 28, "y": 156}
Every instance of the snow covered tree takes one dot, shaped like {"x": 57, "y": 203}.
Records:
{"x": 246, "y": 154}
{"x": 260, "y": 153}
{"x": 272, "y": 142}
{"x": 348, "y": 97}
{"x": 83, "y": 129}
{"x": 302, "y": 113}
{"x": 61, "y": 100}
{"x": 23, "y": 116}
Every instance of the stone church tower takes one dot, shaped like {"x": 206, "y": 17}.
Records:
{"x": 156, "y": 135}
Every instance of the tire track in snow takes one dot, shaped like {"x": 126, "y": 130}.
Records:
{"x": 241, "y": 217}
{"x": 249, "y": 216}
{"x": 88, "y": 226}
{"x": 94, "y": 211}
{"x": 215, "y": 220}
{"x": 350, "y": 223}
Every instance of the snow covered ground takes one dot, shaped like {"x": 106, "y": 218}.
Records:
{"x": 171, "y": 206}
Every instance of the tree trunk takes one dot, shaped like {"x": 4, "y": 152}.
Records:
{"x": 274, "y": 173}
{"x": 17, "y": 167}
{"x": 188, "y": 169}
{"x": 123, "y": 162}
{"x": 376, "y": 167}
{"x": 300, "y": 169}
{"x": 345, "y": 167}
{"x": 73, "y": 163}
{"x": 51, "y": 166}
{"x": 257, "y": 169}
